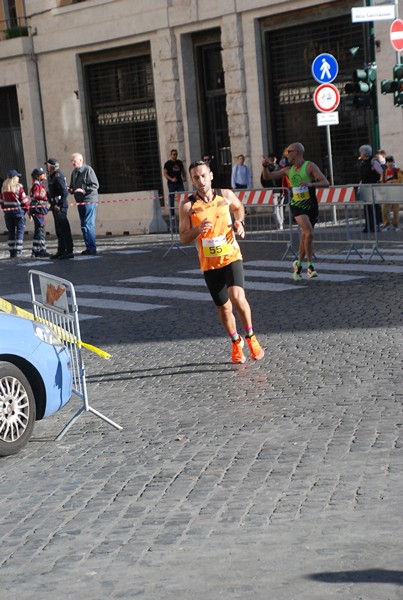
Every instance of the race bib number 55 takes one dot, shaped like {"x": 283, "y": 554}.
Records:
{"x": 213, "y": 247}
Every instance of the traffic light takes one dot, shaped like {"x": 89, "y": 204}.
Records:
{"x": 396, "y": 86}
{"x": 398, "y": 81}
{"x": 388, "y": 87}
{"x": 363, "y": 86}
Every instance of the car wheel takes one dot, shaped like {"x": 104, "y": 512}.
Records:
{"x": 17, "y": 409}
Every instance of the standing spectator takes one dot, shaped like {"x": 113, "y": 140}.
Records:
{"x": 58, "y": 194}
{"x": 269, "y": 163}
{"x": 84, "y": 185}
{"x": 38, "y": 209}
{"x": 208, "y": 159}
{"x": 241, "y": 178}
{"x": 305, "y": 177}
{"x": 370, "y": 172}
{"x": 391, "y": 175}
{"x": 381, "y": 158}
{"x": 205, "y": 217}
{"x": 174, "y": 173}
{"x": 15, "y": 204}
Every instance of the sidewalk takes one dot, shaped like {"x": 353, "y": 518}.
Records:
{"x": 276, "y": 480}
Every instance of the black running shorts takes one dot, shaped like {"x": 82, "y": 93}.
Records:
{"x": 312, "y": 213}
{"x": 218, "y": 280}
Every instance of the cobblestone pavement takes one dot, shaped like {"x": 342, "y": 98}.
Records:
{"x": 276, "y": 480}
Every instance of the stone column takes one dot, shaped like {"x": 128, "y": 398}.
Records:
{"x": 167, "y": 92}
{"x": 234, "y": 69}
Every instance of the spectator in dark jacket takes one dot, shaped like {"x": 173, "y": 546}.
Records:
{"x": 370, "y": 172}
{"x": 58, "y": 198}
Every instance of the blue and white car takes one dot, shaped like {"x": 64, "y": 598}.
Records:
{"x": 35, "y": 378}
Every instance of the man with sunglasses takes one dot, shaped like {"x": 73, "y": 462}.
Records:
{"x": 305, "y": 177}
{"x": 205, "y": 217}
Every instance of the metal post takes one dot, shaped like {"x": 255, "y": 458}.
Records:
{"x": 371, "y": 53}
{"x": 396, "y": 17}
{"x": 329, "y": 153}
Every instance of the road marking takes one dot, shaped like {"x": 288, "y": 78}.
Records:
{"x": 129, "y": 251}
{"x": 26, "y": 299}
{"x": 118, "y": 304}
{"x": 44, "y": 263}
{"x": 97, "y": 303}
{"x": 250, "y": 285}
{"x": 266, "y": 271}
{"x": 36, "y": 263}
{"x": 167, "y": 280}
{"x": 288, "y": 274}
{"x": 325, "y": 266}
{"x": 387, "y": 254}
{"x": 127, "y": 291}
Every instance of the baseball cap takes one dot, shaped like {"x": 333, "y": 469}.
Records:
{"x": 52, "y": 162}
{"x": 37, "y": 172}
{"x": 390, "y": 158}
{"x": 13, "y": 173}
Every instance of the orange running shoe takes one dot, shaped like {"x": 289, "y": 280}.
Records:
{"x": 256, "y": 351}
{"x": 237, "y": 354}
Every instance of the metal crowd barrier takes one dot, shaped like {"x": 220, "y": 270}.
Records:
{"x": 346, "y": 214}
{"x": 354, "y": 219}
{"x": 54, "y": 303}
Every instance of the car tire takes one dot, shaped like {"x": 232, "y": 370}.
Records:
{"x": 17, "y": 409}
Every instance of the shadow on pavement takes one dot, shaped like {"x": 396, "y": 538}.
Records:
{"x": 167, "y": 371}
{"x": 363, "y": 576}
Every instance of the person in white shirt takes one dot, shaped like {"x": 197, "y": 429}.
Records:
{"x": 241, "y": 178}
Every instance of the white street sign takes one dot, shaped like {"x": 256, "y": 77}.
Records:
{"x": 361, "y": 14}
{"x": 327, "y": 118}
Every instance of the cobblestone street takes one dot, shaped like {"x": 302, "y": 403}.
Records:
{"x": 275, "y": 480}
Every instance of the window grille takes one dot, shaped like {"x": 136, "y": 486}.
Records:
{"x": 290, "y": 52}
{"x": 11, "y": 152}
{"x": 123, "y": 124}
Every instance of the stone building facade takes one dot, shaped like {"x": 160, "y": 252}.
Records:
{"x": 125, "y": 81}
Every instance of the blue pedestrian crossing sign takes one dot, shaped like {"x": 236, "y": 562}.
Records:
{"x": 325, "y": 68}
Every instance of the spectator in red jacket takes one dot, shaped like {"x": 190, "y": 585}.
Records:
{"x": 38, "y": 209}
{"x": 15, "y": 204}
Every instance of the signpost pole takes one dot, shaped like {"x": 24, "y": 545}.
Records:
{"x": 330, "y": 156}
{"x": 396, "y": 17}
{"x": 329, "y": 152}
{"x": 375, "y": 116}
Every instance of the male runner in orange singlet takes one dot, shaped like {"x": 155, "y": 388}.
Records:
{"x": 205, "y": 216}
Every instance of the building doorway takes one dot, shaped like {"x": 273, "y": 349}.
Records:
{"x": 212, "y": 109}
{"x": 11, "y": 150}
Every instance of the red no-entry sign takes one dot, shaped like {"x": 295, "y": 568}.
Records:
{"x": 396, "y": 34}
